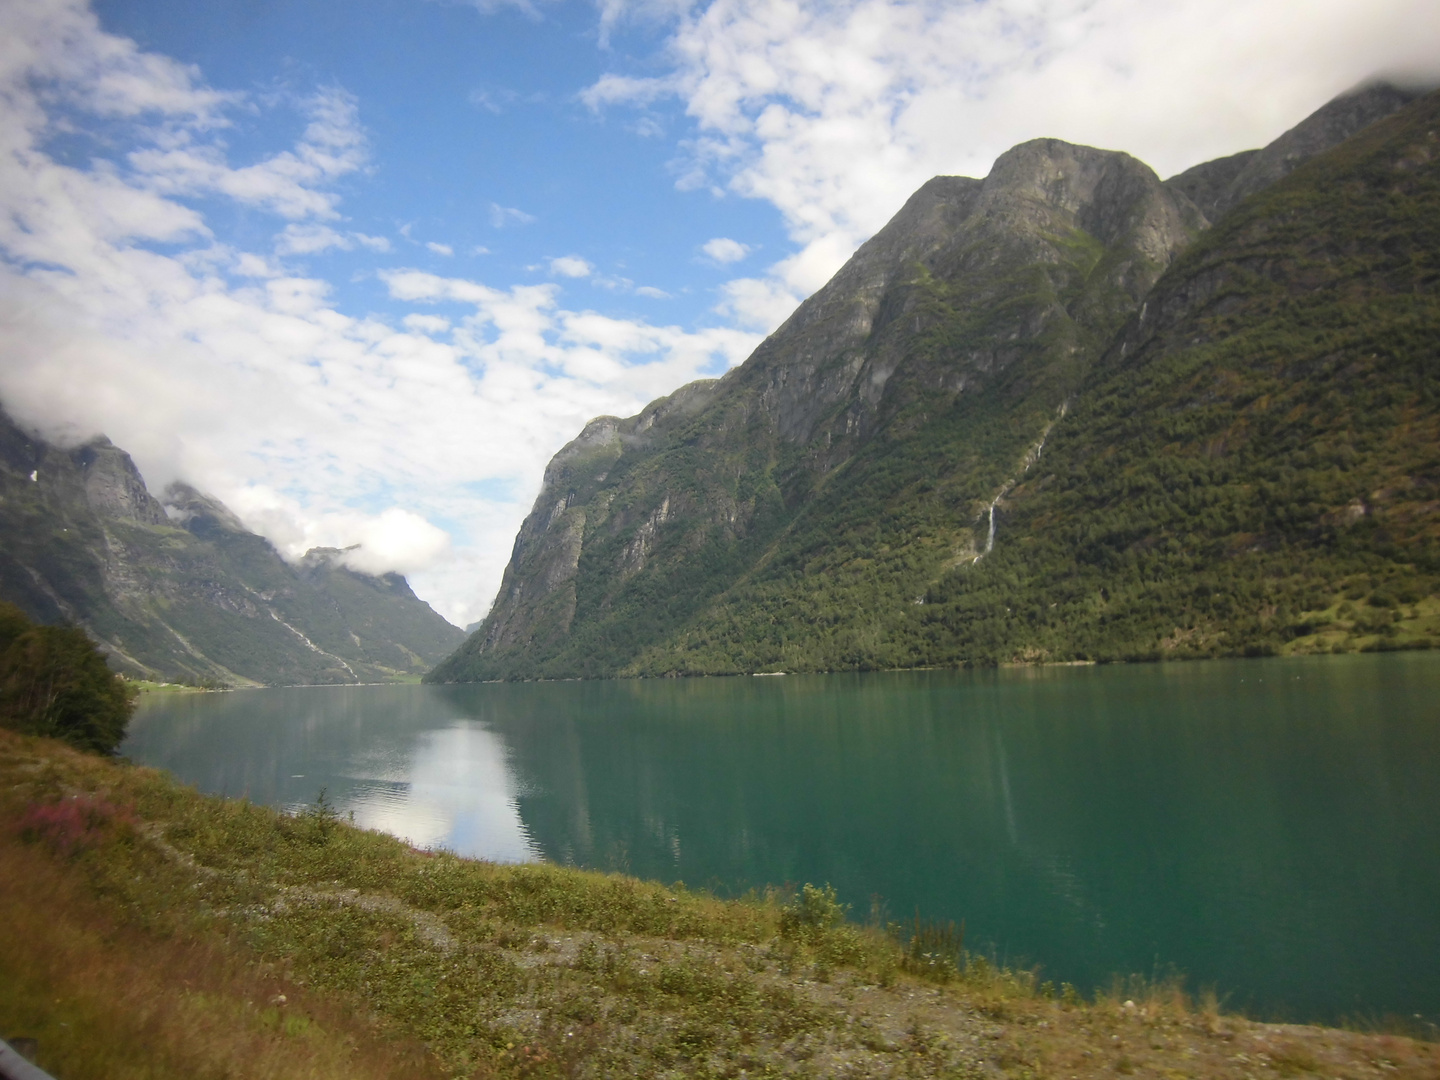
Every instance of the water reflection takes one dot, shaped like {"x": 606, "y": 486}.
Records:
{"x": 388, "y": 755}
{"x": 1270, "y": 828}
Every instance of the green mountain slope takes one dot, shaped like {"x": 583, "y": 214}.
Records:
{"x": 190, "y": 594}
{"x": 948, "y": 342}
{"x": 989, "y": 369}
{"x": 1255, "y": 465}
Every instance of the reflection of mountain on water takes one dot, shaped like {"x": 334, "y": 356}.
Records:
{"x": 733, "y": 783}
{"x": 391, "y": 755}
{"x": 1269, "y": 827}
{"x": 1101, "y": 819}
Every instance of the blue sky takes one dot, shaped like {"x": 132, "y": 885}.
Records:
{"x": 359, "y": 269}
{"x": 465, "y": 111}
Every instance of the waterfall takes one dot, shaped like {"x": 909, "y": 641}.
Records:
{"x": 1031, "y": 457}
{"x": 990, "y": 539}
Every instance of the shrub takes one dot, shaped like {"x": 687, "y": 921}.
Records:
{"x": 814, "y": 911}
{"x": 935, "y": 950}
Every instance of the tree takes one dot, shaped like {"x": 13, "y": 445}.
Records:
{"x": 54, "y": 682}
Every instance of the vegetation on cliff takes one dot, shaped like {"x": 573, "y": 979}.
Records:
{"x": 1072, "y": 456}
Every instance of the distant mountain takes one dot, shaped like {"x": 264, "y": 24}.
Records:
{"x": 1050, "y": 415}
{"x": 180, "y": 590}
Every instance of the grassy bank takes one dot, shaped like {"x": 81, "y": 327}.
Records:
{"x": 149, "y": 931}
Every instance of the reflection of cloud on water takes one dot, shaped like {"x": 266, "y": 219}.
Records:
{"x": 460, "y": 794}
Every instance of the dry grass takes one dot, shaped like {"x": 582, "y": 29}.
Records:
{"x": 106, "y": 998}
{"x": 146, "y": 931}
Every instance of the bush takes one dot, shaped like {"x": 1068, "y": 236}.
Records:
{"x": 54, "y": 682}
{"x": 810, "y": 914}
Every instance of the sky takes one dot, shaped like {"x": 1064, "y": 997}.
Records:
{"x": 359, "y": 269}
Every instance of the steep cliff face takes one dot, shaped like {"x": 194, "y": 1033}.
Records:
{"x": 180, "y": 589}
{"x": 832, "y": 502}
{"x": 966, "y": 321}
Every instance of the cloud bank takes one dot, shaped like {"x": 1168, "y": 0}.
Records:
{"x": 121, "y": 312}
{"x": 835, "y": 112}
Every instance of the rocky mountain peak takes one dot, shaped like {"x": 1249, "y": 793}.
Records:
{"x": 200, "y": 513}
{"x": 211, "y": 601}
{"x": 1045, "y": 204}
{"x": 114, "y": 487}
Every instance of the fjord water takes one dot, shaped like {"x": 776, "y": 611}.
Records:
{"x": 1269, "y": 828}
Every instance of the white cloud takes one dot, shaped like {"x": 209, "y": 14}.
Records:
{"x": 308, "y": 239}
{"x": 724, "y": 250}
{"x": 440, "y": 249}
{"x": 481, "y": 249}
{"x": 312, "y": 238}
{"x": 396, "y": 539}
{"x": 611, "y": 89}
{"x": 757, "y": 303}
{"x": 490, "y": 7}
{"x": 286, "y": 183}
{"x": 836, "y": 112}
{"x": 422, "y": 440}
{"x": 429, "y": 325}
{"x": 492, "y": 101}
{"x": 254, "y": 266}
{"x": 571, "y": 266}
{"x": 652, "y": 292}
{"x": 501, "y": 216}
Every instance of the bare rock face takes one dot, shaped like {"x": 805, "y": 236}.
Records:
{"x": 201, "y": 514}
{"x": 1040, "y": 199}
{"x": 113, "y": 486}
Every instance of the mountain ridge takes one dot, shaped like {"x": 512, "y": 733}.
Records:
{"x": 178, "y": 589}
{"x": 773, "y": 518}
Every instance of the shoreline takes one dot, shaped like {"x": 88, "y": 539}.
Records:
{"x": 318, "y": 937}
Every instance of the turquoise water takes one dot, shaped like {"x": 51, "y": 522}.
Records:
{"x": 1267, "y": 828}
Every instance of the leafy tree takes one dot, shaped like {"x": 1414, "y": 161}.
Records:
{"x": 54, "y": 682}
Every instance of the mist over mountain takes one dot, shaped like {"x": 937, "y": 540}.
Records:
{"x": 1066, "y": 412}
{"x": 178, "y": 589}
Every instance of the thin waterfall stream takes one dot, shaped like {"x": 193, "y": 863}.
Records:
{"x": 1032, "y": 455}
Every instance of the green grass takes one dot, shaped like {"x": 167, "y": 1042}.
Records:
{"x": 147, "y": 931}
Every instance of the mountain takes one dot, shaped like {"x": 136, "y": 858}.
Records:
{"x": 1217, "y": 186}
{"x": 178, "y": 589}
{"x": 1054, "y": 414}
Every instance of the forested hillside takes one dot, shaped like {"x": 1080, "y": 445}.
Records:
{"x": 1044, "y": 416}
{"x": 1255, "y": 464}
